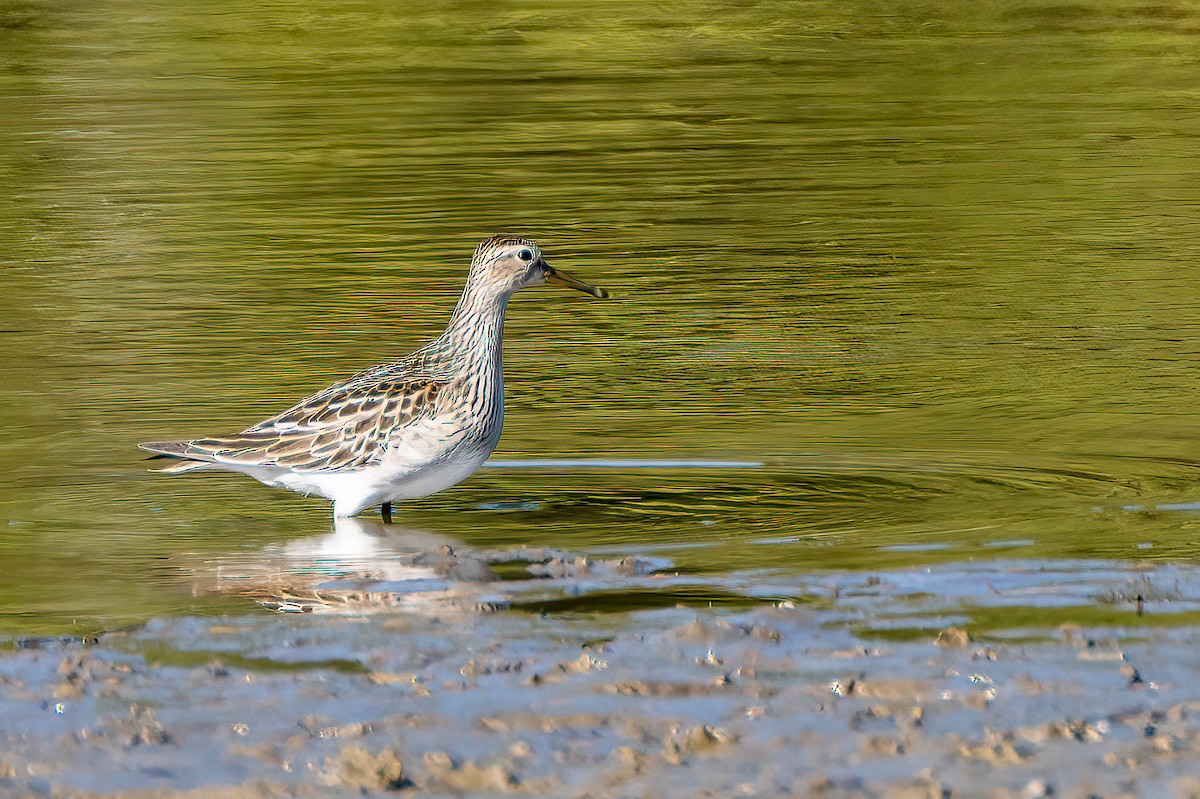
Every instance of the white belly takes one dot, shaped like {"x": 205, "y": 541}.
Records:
{"x": 358, "y": 490}
{"x": 433, "y": 478}
{"x": 425, "y": 461}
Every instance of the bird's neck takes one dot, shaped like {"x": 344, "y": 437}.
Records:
{"x": 476, "y": 329}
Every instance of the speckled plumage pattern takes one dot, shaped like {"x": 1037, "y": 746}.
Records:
{"x": 402, "y": 429}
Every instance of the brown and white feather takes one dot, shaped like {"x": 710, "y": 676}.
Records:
{"x": 399, "y": 430}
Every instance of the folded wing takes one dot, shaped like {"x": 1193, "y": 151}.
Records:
{"x": 347, "y": 427}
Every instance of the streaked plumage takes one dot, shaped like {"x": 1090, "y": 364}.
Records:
{"x": 400, "y": 430}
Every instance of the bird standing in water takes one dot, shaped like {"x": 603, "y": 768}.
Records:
{"x": 400, "y": 430}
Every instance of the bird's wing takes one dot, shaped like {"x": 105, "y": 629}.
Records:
{"x": 342, "y": 427}
{"x": 416, "y": 369}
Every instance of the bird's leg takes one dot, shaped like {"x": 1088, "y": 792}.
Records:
{"x": 386, "y": 512}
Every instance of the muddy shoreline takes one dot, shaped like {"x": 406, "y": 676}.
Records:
{"x": 450, "y": 682}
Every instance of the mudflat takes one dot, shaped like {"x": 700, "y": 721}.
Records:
{"x": 448, "y": 680}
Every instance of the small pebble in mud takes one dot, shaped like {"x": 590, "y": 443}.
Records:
{"x": 1037, "y": 789}
{"x": 325, "y": 728}
{"x": 72, "y": 687}
{"x": 998, "y": 749}
{"x": 385, "y": 678}
{"x": 141, "y": 726}
{"x": 482, "y": 666}
{"x": 1072, "y": 634}
{"x": 582, "y": 664}
{"x": 1163, "y": 743}
{"x": 682, "y": 742}
{"x": 633, "y": 761}
{"x": 449, "y": 565}
{"x": 1134, "y": 676}
{"x": 878, "y": 745}
{"x": 354, "y": 767}
{"x": 953, "y": 638}
{"x": 445, "y": 775}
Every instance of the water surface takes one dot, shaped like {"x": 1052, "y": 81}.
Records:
{"x": 933, "y": 266}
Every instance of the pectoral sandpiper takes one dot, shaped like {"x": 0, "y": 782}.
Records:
{"x": 400, "y": 430}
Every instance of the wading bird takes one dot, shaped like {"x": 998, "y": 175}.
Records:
{"x": 400, "y": 430}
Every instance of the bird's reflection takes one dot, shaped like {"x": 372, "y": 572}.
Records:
{"x": 361, "y": 566}
{"x": 366, "y": 547}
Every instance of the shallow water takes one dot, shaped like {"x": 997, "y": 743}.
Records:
{"x": 932, "y": 266}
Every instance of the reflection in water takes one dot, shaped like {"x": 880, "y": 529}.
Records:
{"x": 363, "y": 566}
{"x": 366, "y": 566}
{"x": 363, "y": 545}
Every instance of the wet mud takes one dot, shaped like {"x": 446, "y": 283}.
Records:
{"x": 427, "y": 669}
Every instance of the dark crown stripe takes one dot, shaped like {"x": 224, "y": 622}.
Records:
{"x": 500, "y": 241}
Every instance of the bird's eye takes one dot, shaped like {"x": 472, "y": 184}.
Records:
{"x": 525, "y": 255}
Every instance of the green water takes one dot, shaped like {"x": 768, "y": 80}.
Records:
{"x": 933, "y": 264}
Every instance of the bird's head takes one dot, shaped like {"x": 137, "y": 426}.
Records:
{"x": 510, "y": 263}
